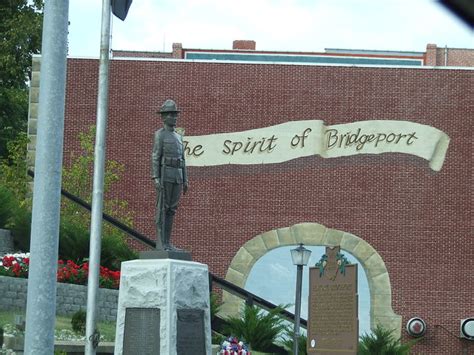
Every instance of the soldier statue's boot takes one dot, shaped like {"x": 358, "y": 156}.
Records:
{"x": 165, "y": 243}
{"x": 167, "y": 235}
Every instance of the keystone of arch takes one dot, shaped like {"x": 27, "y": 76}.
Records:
{"x": 315, "y": 234}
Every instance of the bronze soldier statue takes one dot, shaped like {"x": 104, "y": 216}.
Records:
{"x": 168, "y": 173}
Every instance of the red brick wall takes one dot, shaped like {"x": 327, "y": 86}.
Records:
{"x": 457, "y": 57}
{"x": 419, "y": 221}
{"x": 452, "y": 57}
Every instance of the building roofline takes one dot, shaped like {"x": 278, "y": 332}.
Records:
{"x": 151, "y": 59}
{"x": 374, "y": 52}
{"x": 423, "y": 67}
{"x": 328, "y": 52}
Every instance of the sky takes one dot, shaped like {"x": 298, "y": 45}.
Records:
{"x": 279, "y": 25}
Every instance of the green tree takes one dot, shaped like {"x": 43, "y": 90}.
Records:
{"x": 77, "y": 179}
{"x": 7, "y": 205}
{"x": 75, "y": 221}
{"x": 14, "y": 179}
{"x": 13, "y": 169}
{"x": 20, "y": 38}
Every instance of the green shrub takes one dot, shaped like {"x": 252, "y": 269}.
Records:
{"x": 381, "y": 341}
{"x": 7, "y": 207}
{"x": 288, "y": 342}
{"x": 75, "y": 221}
{"x": 215, "y": 305}
{"x": 258, "y": 328}
{"x": 73, "y": 241}
{"x": 217, "y": 338}
{"x": 21, "y": 228}
{"x": 115, "y": 250}
{"x": 15, "y": 204}
{"x": 74, "y": 245}
{"x": 14, "y": 178}
{"x": 78, "y": 322}
{"x": 13, "y": 170}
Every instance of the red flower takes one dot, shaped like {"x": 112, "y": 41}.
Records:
{"x": 17, "y": 269}
{"x": 68, "y": 271}
{"x": 7, "y": 261}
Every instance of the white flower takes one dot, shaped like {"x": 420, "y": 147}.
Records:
{"x": 19, "y": 255}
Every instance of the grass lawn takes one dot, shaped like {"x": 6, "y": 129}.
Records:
{"x": 63, "y": 325}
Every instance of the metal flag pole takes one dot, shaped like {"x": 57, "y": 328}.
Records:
{"x": 41, "y": 297}
{"x": 92, "y": 334}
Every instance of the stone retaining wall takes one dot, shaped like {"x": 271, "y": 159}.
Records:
{"x": 69, "y": 298}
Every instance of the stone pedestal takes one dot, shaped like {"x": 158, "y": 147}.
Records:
{"x": 163, "y": 308}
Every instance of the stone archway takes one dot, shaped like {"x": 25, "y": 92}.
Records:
{"x": 381, "y": 311}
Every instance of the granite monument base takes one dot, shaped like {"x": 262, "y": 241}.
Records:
{"x": 163, "y": 308}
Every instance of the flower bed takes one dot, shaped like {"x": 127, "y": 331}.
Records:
{"x": 232, "y": 346}
{"x": 17, "y": 265}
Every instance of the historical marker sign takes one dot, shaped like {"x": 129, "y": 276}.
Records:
{"x": 191, "y": 335}
{"x": 333, "y": 326}
{"x": 142, "y": 331}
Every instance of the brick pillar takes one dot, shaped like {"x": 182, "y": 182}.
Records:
{"x": 177, "y": 50}
{"x": 430, "y": 55}
{"x": 244, "y": 45}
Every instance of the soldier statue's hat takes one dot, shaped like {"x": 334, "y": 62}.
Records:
{"x": 168, "y": 106}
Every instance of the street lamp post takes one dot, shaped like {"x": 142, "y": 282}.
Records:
{"x": 300, "y": 257}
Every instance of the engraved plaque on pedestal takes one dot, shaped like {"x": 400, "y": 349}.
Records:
{"x": 333, "y": 306}
{"x": 142, "y": 331}
{"x": 191, "y": 337}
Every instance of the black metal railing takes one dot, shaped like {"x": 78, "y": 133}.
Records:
{"x": 115, "y": 222}
{"x": 249, "y": 297}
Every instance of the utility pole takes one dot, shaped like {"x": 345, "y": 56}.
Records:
{"x": 41, "y": 297}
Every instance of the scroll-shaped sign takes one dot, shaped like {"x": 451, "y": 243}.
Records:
{"x": 296, "y": 139}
